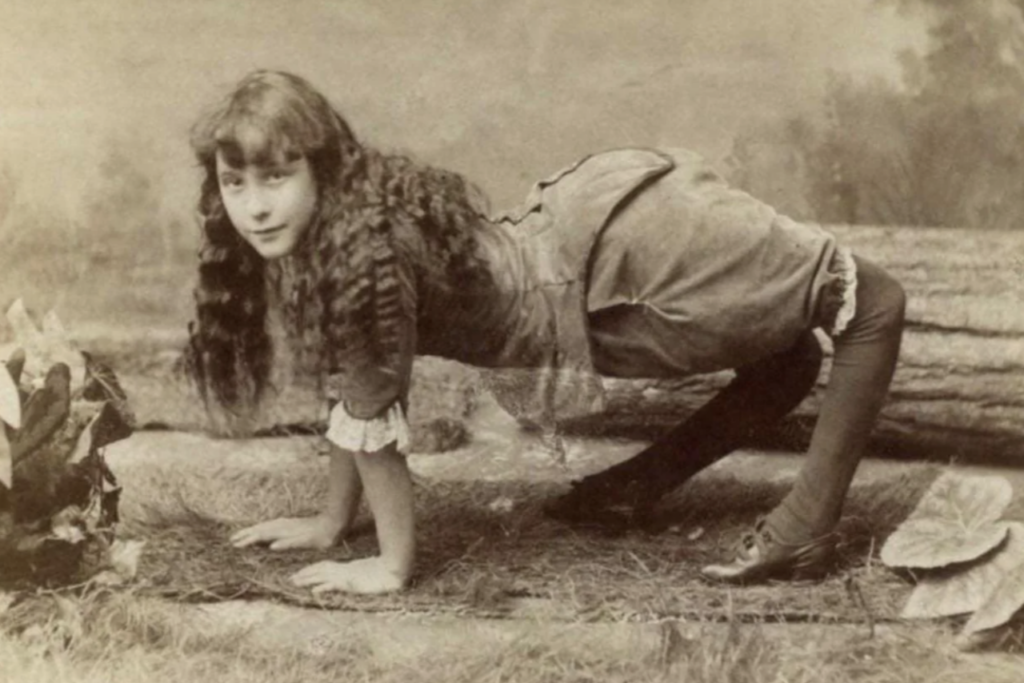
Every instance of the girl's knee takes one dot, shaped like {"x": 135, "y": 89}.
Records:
{"x": 893, "y": 302}
{"x": 798, "y": 365}
{"x": 807, "y": 356}
{"x": 881, "y": 297}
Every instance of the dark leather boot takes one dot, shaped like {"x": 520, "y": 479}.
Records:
{"x": 761, "y": 556}
{"x": 595, "y": 502}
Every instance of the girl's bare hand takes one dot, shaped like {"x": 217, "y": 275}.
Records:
{"x": 367, "y": 575}
{"x": 289, "y": 533}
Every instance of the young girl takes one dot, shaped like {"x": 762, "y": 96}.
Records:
{"x": 631, "y": 263}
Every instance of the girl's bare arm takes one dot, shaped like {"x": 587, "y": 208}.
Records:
{"x": 344, "y": 489}
{"x": 388, "y": 486}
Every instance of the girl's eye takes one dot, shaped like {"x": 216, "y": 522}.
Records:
{"x": 276, "y": 176}
{"x": 230, "y": 182}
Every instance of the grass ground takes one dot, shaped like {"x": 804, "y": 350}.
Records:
{"x": 124, "y": 638}
{"x": 503, "y": 595}
{"x": 486, "y": 546}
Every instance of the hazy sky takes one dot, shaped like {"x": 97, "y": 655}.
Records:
{"x": 504, "y": 90}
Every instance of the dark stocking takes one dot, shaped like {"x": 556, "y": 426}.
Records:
{"x": 760, "y": 395}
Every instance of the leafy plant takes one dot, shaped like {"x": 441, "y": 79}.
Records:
{"x": 965, "y": 558}
{"x": 965, "y": 590}
{"x": 58, "y": 499}
{"x": 956, "y": 521}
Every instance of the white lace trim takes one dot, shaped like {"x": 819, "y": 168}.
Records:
{"x": 368, "y": 436}
{"x": 848, "y": 274}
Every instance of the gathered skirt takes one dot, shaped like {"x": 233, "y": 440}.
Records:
{"x": 692, "y": 276}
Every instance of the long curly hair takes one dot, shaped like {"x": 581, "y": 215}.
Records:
{"x": 345, "y": 289}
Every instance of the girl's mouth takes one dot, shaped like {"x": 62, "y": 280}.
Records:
{"x": 268, "y": 232}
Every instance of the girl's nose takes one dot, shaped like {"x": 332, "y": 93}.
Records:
{"x": 257, "y": 203}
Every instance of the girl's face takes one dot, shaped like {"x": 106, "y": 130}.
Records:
{"x": 271, "y": 205}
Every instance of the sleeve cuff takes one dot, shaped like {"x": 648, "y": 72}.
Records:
{"x": 367, "y": 436}
{"x": 848, "y": 275}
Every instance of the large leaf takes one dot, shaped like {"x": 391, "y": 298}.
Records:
{"x": 45, "y": 411}
{"x": 123, "y": 558}
{"x": 101, "y": 385}
{"x": 110, "y": 426}
{"x": 955, "y": 521}
{"x": 45, "y": 347}
{"x": 6, "y": 462}
{"x": 947, "y": 594}
{"x": 1003, "y": 602}
{"x": 10, "y": 400}
{"x": 51, "y": 476}
{"x": 84, "y": 445}
{"x": 15, "y": 361}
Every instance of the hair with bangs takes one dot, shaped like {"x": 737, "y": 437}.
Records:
{"x": 271, "y": 115}
{"x": 345, "y": 265}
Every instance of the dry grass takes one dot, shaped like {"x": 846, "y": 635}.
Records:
{"x": 124, "y": 638}
{"x": 121, "y": 637}
{"x": 480, "y": 559}
{"x": 479, "y": 562}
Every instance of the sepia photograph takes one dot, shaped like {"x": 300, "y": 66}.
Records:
{"x": 512, "y": 341}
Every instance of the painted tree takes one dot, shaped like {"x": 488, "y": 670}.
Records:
{"x": 943, "y": 147}
{"x": 954, "y": 134}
